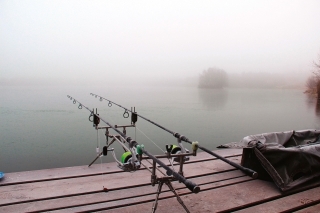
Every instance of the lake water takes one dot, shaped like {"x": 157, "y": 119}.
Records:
{"x": 41, "y": 128}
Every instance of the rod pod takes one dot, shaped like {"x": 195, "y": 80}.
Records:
{"x": 189, "y": 184}
{"x": 247, "y": 171}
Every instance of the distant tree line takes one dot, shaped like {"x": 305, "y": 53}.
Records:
{"x": 213, "y": 78}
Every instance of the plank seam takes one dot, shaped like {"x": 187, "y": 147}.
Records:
{"x": 275, "y": 198}
{"x": 303, "y": 206}
{"x": 160, "y": 198}
{"x": 112, "y": 189}
{"x": 104, "y": 173}
{"x": 145, "y": 201}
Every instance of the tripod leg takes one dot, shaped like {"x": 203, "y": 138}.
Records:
{"x": 100, "y": 153}
{"x": 95, "y": 159}
{"x": 155, "y": 204}
{"x": 178, "y": 197}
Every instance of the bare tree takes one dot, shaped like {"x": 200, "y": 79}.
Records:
{"x": 313, "y": 82}
{"x": 316, "y": 72}
{"x": 317, "y": 67}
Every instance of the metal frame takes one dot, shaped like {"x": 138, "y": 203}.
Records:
{"x": 137, "y": 152}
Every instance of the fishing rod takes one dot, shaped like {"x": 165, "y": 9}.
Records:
{"x": 180, "y": 137}
{"x": 140, "y": 149}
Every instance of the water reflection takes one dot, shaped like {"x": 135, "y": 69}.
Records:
{"x": 214, "y": 99}
{"x": 317, "y": 111}
{"x": 313, "y": 102}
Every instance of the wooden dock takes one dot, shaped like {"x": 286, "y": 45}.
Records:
{"x": 80, "y": 189}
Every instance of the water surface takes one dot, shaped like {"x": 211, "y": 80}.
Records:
{"x": 41, "y": 128}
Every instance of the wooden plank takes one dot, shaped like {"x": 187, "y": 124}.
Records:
{"x": 287, "y": 203}
{"x": 211, "y": 199}
{"x": 65, "y": 187}
{"x": 148, "y": 199}
{"x": 53, "y": 189}
{"x": 311, "y": 209}
{"x": 95, "y": 169}
{"x": 123, "y": 194}
{"x": 57, "y": 173}
{"x": 223, "y": 189}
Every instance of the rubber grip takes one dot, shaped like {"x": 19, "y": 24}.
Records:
{"x": 247, "y": 171}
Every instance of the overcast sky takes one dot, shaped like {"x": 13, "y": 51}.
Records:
{"x": 144, "y": 39}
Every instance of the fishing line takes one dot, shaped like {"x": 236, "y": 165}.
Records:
{"x": 150, "y": 139}
{"x": 98, "y": 151}
{"x": 98, "y": 147}
{"x": 171, "y": 164}
{"x": 100, "y": 158}
{"x": 158, "y": 147}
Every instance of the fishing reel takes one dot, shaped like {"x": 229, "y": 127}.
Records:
{"x": 180, "y": 155}
{"x": 129, "y": 162}
{"x": 174, "y": 149}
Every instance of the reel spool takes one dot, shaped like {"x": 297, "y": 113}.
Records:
{"x": 174, "y": 149}
{"x": 126, "y": 157}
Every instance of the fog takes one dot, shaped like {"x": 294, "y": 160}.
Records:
{"x": 132, "y": 42}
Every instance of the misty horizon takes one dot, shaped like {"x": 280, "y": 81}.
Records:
{"x": 61, "y": 42}
{"x": 236, "y": 80}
